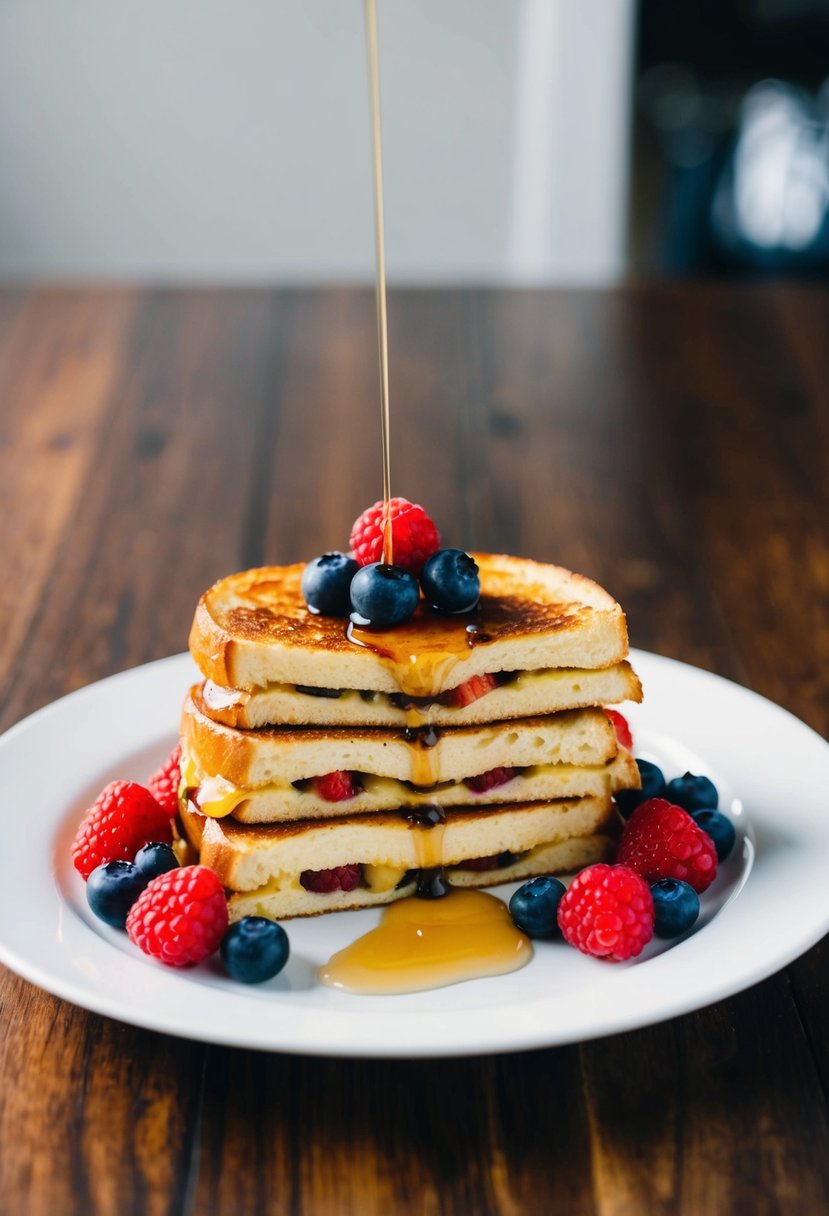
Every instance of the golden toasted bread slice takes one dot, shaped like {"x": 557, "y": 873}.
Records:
{"x": 511, "y": 695}
{"x": 253, "y": 630}
{"x": 216, "y": 797}
{"x": 267, "y": 867}
{"x": 426, "y": 757}
{"x": 563, "y": 857}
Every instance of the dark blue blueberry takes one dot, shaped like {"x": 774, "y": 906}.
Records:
{"x": 627, "y": 801}
{"x": 534, "y": 907}
{"x": 653, "y": 786}
{"x": 384, "y": 595}
{"x": 675, "y": 907}
{"x": 254, "y": 949}
{"x": 450, "y": 581}
{"x": 155, "y": 858}
{"x": 113, "y": 888}
{"x": 691, "y": 792}
{"x": 653, "y": 780}
{"x": 719, "y": 827}
{"x": 326, "y": 582}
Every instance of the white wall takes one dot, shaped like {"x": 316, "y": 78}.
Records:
{"x": 228, "y": 139}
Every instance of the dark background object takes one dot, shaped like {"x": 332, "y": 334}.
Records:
{"x": 695, "y": 65}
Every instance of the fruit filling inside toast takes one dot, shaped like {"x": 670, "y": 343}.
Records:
{"x": 358, "y": 792}
{"x": 217, "y": 698}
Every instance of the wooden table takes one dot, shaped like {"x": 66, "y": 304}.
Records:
{"x": 671, "y": 441}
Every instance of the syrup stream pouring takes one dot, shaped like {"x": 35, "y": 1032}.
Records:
{"x": 380, "y": 265}
{"x": 446, "y": 935}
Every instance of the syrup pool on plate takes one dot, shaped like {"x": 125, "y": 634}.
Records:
{"x": 423, "y": 943}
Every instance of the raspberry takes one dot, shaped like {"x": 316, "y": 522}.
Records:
{"x": 490, "y": 780}
{"x": 607, "y": 911}
{"x": 181, "y": 917}
{"x": 343, "y": 878}
{"x": 122, "y": 819}
{"x": 163, "y": 785}
{"x": 337, "y": 786}
{"x": 414, "y": 535}
{"x": 620, "y": 724}
{"x": 473, "y": 689}
{"x": 662, "y": 841}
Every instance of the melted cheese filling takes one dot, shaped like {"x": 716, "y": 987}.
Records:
{"x": 216, "y": 797}
{"x": 517, "y": 681}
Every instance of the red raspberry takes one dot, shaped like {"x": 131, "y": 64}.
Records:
{"x": 607, "y": 911}
{"x": 343, "y": 878}
{"x": 662, "y": 841}
{"x": 490, "y": 780}
{"x": 337, "y": 786}
{"x": 620, "y": 724}
{"x": 181, "y": 917}
{"x": 414, "y": 535}
{"x": 163, "y": 785}
{"x": 121, "y": 820}
{"x": 473, "y": 689}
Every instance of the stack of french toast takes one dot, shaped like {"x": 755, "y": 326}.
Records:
{"x": 325, "y": 766}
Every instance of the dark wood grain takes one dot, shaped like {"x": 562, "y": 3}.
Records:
{"x": 671, "y": 441}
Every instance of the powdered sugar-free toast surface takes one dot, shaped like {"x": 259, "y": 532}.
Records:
{"x": 252, "y": 630}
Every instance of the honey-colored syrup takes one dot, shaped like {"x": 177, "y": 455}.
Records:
{"x": 445, "y": 935}
{"x": 421, "y": 654}
{"x": 422, "y": 741}
{"x": 380, "y": 264}
{"x": 428, "y": 822}
{"x": 423, "y": 943}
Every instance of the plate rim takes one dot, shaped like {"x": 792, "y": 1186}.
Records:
{"x": 528, "y": 1035}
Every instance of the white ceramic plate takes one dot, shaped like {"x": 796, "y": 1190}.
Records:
{"x": 770, "y": 901}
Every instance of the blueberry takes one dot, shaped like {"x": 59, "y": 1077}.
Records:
{"x": 719, "y": 827}
{"x": 653, "y": 780}
{"x": 254, "y": 949}
{"x": 627, "y": 801}
{"x": 155, "y": 858}
{"x": 675, "y": 907}
{"x": 534, "y": 907}
{"x": 653, "y": 786}
{"x": 326, "y": 582}
{"x": 113, "y": 888}
{"x": 691, "y": 792}
{"x": 450, "y": 581}
{"x": 384, "y": 595}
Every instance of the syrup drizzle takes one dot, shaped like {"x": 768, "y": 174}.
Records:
{"x": 421, "y": 654}
{"x": 424, "y": 762}
{"x": 445, "y": 935}
{"x": 428, "y": 822}
{"x": 380, "y": 265}
{"x": 429, "y": 815}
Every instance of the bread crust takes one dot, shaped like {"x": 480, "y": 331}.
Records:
{"x": 248, "y": 857}
{"x": 253, "y": 629}
{"x": 532, "y": 692}
{"x": 287, "y": 754}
